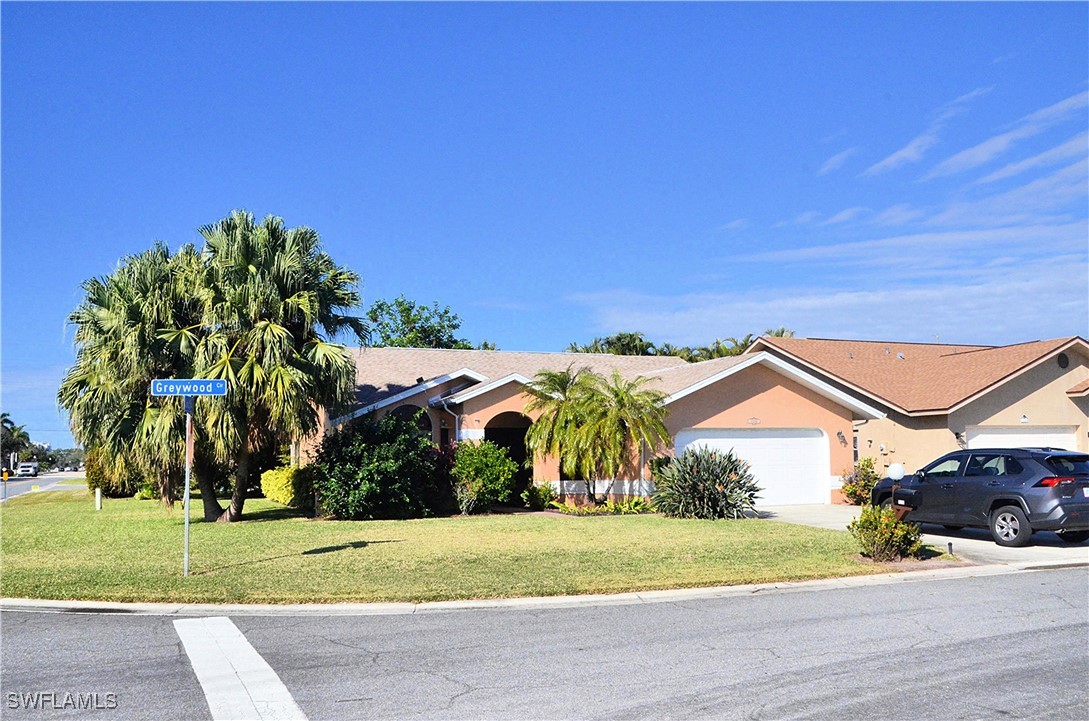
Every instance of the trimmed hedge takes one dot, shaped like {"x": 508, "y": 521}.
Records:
{"x": 289, "y": 486}
{"x": 483, "y": 474}
{"x": 883, "y": 538}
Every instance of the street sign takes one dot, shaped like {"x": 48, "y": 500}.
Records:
{"x": 189, "y": 387}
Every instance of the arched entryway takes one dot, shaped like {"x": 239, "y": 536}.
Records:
{"x": 508, "y": 430}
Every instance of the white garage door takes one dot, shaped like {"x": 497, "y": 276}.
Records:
{"x": 790, "y": 464}
{"x": 1022, "y": 437}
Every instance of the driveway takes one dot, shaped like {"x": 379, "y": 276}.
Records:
{"x": 971, "y": 544}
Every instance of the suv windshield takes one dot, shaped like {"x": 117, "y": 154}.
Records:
{"x": 1068, "y": 464}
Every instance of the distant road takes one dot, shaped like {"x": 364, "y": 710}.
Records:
{"x": 44, "y": 482}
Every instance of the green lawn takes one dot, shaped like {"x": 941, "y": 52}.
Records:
{"x": 55, "y": 545}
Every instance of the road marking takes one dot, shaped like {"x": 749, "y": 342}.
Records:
{"x": 237, "y": 682}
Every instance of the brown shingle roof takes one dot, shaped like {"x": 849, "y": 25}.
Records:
{"x": 915, "y": 377}
{"x": 384, "y": 372}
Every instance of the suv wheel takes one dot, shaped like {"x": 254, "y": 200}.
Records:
{"x": 1009, "y": 527}
{"x": 1074, "y": 536}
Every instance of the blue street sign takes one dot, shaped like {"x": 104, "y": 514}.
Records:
{"x": 188, "y": 387}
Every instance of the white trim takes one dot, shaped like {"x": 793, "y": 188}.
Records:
{"x": 613, "y": 488}
{"x": 471, "y": 434}
{"x": 418, "y": 388}
{"x": 790, "y": 371}
{"x": 461, "y": 397}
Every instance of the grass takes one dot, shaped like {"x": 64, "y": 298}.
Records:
{"x": 55, "y": 545}
{"x": 73, "y": 482}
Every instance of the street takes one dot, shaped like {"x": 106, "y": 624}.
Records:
{"x": 1010, "y": 645}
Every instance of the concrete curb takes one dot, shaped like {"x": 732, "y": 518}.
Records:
{"x": 536, "y": 603}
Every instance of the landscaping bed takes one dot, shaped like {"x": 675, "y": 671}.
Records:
{"x": 55, "y": 545}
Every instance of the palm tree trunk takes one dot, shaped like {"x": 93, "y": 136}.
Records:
{"x": 166, "y": 489}
{"x": 205, "y": 473}
{"x": 241, "y": 481}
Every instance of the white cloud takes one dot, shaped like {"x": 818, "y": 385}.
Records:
{"x": 738, "y": 224}
{"x": 1075, "y": 147}
{"x": 836, "y": 161}
{"x": 1034, "y": 302}
{"x": 915, "y": 150}
{"x": 846, "y": 215}
{"x": 898, "y": 215}
{"x": 1027, "y": 127}
{"x": 807, "y": 217}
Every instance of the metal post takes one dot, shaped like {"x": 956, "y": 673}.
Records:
{"x": 188, "y": 467}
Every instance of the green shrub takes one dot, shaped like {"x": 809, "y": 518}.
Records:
{"x": 289, "y": 486}
{"x": 631, "y": 506}
{"x": 882, "y": 537}
{"x": 658, "y": 464}
{"x": 381, "y": 470}
{"x": 483, "y": 474}
{"x": 113, "y": 485}
{"x": 704, "y": 483}
{"x": 858, "y": 483}
{"x": 539, "y": 496}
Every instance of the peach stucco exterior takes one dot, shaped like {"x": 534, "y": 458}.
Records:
{"x": 759, "y": 397}
{"x": 1037, "y": 397}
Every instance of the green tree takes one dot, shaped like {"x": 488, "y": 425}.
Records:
{"x": 272, "y": 303}
{"x": 594, "y": 425}
{"x": 13, "y": 438}
{"x": 780, "y": 332}
{"x": 403, "y": 323}
{"x": 119, "y": 352}
{"x": 620, "y": 344}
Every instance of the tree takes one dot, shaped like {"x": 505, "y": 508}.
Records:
{"x": 256, "y": 307}
{"x": 592, "y": 424}
{"x": 272, "y": 302}
{"x": 13, "y": 438}
{"x": 119, "y": 352}
{"x": 780, "y": 332}
{"x": 626, "y": 343}
{"x": 403, "y": 323}
{"x": 558, "y": 397}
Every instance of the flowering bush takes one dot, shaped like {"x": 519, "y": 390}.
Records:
{"x": 858, "y": 483}
{"x": 882, "y": 537}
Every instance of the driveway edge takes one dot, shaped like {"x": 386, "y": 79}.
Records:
{"x": 540, "y": 602}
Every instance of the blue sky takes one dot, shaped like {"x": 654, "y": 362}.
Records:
{"x": 554, "y": 172}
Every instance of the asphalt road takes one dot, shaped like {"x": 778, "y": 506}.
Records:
{"x": 44, "y": 481}
{"x": 1010, "y": 646}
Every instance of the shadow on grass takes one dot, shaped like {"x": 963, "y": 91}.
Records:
{"x": 308, "y": 552}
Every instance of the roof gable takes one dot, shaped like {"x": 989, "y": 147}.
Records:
{"x": 917, "y": 378}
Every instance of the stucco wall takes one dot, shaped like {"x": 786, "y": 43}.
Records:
{"x": 897, "y": 438}
{"x": 760, "y": 393}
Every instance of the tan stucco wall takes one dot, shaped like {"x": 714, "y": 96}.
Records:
{"x": 1039, "y": 394}
{"x": 770, "y": 397}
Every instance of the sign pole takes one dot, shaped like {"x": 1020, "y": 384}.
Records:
{"x": 189, "y": 401}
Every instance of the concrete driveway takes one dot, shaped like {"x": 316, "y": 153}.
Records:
{"x": 971, "y": 544}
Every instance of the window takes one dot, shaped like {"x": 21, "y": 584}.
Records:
{"x": 1067, "y": 465}
{"x": 993, "y": 465}
{"x": 945, "y": 468}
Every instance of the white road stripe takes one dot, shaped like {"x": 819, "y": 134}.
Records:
{"x": 238, "y": 683}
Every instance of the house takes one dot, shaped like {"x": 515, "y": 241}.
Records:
{"x": 791, "y": 424}
{"x": 936, "y": 398}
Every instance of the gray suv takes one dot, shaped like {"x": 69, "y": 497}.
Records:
{"x": 1011, "y": 491}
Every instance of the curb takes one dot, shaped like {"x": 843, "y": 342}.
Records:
{"x": 534, "y": 603}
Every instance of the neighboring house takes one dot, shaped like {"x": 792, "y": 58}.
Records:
{"x": 793, "y": 426}
{"x": 937, "y": 398}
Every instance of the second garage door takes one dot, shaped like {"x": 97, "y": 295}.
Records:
{"x": 1022, "y": 437}
{"x": 790, "y": 464}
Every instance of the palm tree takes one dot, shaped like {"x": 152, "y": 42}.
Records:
{"x": 13, "y": 438}
{"x": 271, "y": 306}
{"x": 740, "y": 345}
{"x": 557, "y": 396}
{"x": 119, "y": 353}
{"x": 618, "y": 417}
{"x": 780, "y": 332}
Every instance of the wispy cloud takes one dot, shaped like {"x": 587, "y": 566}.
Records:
{"x": 1050, "y": 198}
{"x": 836, "y": 161}
{"x": 898, "y": 215}
{"x": 1075, "y": 147}
{"x": 739, "y": 224}
{"x": 845, "y": 215}
{"x": 1027, "y": 127}
{"x": 1033, "y": 303}
{"x": 916, "y": 149}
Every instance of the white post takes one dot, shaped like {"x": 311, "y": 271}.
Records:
{"x": 98, "y": 499}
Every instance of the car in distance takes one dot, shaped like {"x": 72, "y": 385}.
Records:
{"x": 27, "y": 469}
{"x": 1013, "y": 492}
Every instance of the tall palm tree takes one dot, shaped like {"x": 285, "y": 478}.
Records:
{"x": 618, "y": 417}
{"x": 13, "y": 438}
{"x": 119, "y": 353}
{"x": 272, "y": 303}
{"x": 557, "y": 395}
{"x": 780, "y": 332}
